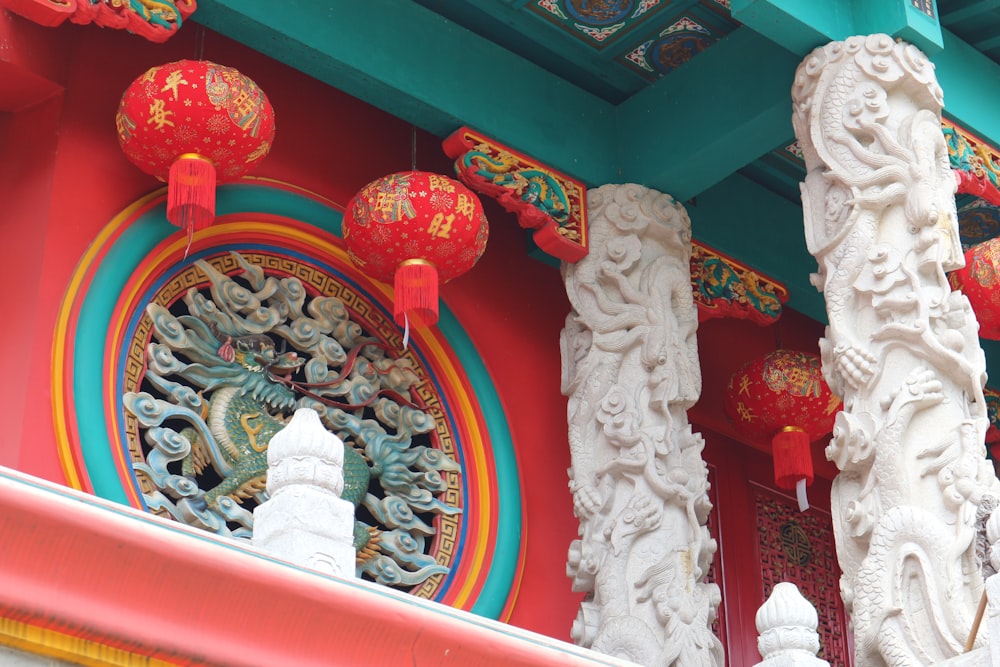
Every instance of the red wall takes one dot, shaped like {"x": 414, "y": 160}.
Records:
{"x": 59, "y": 190}
{"x": 62, "y": 177}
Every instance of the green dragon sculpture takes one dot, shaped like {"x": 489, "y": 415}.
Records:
{"x": 227, "y": 389}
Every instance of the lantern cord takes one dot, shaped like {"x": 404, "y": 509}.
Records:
{"x": 413, "y": 148}
{"x": 800, "y": 494}
{"x": 406, "y": 330}
{"x": 201, "y": 43}
{"x": 187, "y": 249}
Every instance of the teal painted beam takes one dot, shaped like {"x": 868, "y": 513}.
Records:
{"x": 682, "y": 136}
{"x": 414, "y": 64}
{"x": 802, "y": 26}
{"x": 517, "y": 29}
{"x": 765, "y": 231}
{"x": 900, "y": 18}
{"x": 971, "y": 94}
{"x": 799, "y": 26}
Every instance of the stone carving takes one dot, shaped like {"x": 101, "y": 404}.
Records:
{"x": 305, "y": 521}
{"x": 901, "y": 348}
{"x": 787, "y": 625}
{"x": 639, "y": 484}
{"x": 231, "y": 358}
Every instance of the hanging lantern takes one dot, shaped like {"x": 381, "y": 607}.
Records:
{"x": 979, "y": 279}
{"x": 782, "y": 399}
{"x": 194, "y": 123}
{"x": 415, "y": 229}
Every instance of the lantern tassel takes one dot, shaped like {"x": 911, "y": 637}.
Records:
{"x": 792, "y": 462}
{"x": 800, "y": 494}
{"x": 416, "y": 301}
{"x": 191, "y": 193}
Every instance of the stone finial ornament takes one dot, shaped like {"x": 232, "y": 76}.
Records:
{"x": 305, "y": 521}
{"x": 787, "y": 624}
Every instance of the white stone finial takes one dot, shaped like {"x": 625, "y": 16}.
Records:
{"x": 305, "y": 521}
{"x": 787, "y": 624}
{"x": 304, "y": 452}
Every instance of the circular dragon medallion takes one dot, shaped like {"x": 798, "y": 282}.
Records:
{"x": 230, "y": 347}
{"x": 672, "y": 51}
{"x": 599, "y": 12}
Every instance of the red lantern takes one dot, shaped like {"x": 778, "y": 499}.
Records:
{"x": 193, "y": 123}
{"x": 416, "y": 229}
{"x": 979, "y": 279}
{"x": 783, "y": 399}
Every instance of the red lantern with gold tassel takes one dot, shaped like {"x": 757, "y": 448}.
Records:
{"x": 415, "y": 229}
{"x": 194, "y": 123}
{"x": 782, "y": 399}
{"x": 979, "y": 279}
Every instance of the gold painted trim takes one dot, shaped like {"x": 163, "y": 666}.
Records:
{"x": 193, "y": 156}
{"x": 417, "y": 261}
{"x": 78, "y": 650}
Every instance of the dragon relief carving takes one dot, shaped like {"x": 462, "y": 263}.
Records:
{"x": 232, "y": 362}
{"x": 901, "y": 348}
{"x": 639, "y": 484}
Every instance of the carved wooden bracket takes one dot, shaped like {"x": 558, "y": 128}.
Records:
{"x": 156, "y": 20}
{"x": 724, "y": 287}
{"x": 976, "y": 164}
{"x": 543, "y": 199}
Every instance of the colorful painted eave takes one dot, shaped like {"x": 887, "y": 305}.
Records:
{"x": 100, "y": 584}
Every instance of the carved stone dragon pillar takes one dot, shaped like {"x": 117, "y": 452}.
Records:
{"x": 631, "y": 371}
{"x": 901, "y": 348}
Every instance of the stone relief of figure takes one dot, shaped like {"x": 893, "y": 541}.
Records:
{"x": 901, "y": 348}
{"x": 639, "y": 484}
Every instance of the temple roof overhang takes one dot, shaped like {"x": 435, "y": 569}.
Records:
{"x": 97, "y": 583}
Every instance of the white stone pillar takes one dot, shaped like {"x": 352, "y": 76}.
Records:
{"x": 305, "y": 521}
{"x": 639, "y": 484}
{"x": 787, "y": 624}
{"x": 901, "y": 348}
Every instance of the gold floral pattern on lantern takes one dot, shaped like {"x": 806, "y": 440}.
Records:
{"x": 416, "y": 229}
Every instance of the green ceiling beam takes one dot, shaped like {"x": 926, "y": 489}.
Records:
{"x": 801, "y": 25}
{"x": 414, "y": 64}
{"x": 953, "y": 14}
{"x": 682, "y": 136}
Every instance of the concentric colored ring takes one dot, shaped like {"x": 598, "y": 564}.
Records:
{"x": 139, "y": 249}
